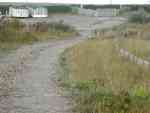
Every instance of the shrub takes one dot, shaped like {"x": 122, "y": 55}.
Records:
{"x": 12, "y": 31}
{"x": 38, "y": 27}
{"x": 140, "y": 16}
{"x": 59, "y": 9}
{"x": 12, "y": 35}
{"x": 137, "y": 17}
{"x": 60, "y": 26}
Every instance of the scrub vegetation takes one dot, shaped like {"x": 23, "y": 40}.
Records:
{"x": 59, "y": 9}
{"x": 61, "y": 29}
{"x": 100, "y": 80}
{"x": 136, "y": 14}
{"x": 133, "y": 37}
{"x": 11, "y": 35}
{"x": 14, "y": 33}
{"x": 138, "y": 47}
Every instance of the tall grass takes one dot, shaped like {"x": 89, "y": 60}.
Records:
{"x": 13, "y": 33}
{"x": 59, "y": 28}
{"x": 132, "y": 37}
{"x": 138, "y": 47}
{"x": 102, "y": 81}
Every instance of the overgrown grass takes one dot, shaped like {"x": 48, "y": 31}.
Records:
{"x": 13, "y": 33}
{"x": 133, "y": 37}
{"x": 61, "y": 29}
{"x": 138, "y": 47}
{"x": 102, "y": 81}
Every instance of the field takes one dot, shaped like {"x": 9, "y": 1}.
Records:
{"x": 101, "y": 81}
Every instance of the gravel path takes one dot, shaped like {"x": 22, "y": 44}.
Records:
{"x": 35, "y": 91}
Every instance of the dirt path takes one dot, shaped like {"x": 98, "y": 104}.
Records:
{"x": 35, "y": 91}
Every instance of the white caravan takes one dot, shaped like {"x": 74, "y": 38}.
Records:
{"x": 39, "y": 12}
{"x": 21, "y": 12}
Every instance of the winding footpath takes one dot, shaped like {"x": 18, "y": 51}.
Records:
{"x": 35, "y": 90}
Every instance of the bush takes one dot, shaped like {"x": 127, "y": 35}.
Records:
{"x": 11, "y": 31}
{"x": 60, "y": 26}
{"x": 59, "y": 9}
{"x": 38, "y": 27}
{"x": 140, "y": 16}
{"x": 137, "y": 17}
{"x": 14, "y": 33}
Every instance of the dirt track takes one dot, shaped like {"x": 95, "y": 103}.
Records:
{"x": 34, "y": 90}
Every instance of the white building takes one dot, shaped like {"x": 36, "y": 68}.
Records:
{"x": 18, "y": 11}
{"x": 39, "y": 12}
{"x": 24, "y": 12}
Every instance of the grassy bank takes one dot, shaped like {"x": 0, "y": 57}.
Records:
{"x": 102, "y": 81}
{"x": 133, "y": 37}
{"x": 138, "y": 47}
{"x": 14, "y": 34}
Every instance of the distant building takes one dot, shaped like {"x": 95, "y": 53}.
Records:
{"x": 39, "y": 12}
{"x": 23, "y": 11}
{"x": 19, "y": 11}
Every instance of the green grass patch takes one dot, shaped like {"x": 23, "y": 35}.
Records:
{"x": 102, "y": 81}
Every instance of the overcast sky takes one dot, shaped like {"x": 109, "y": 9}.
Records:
{"x": 84, "y": 1}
